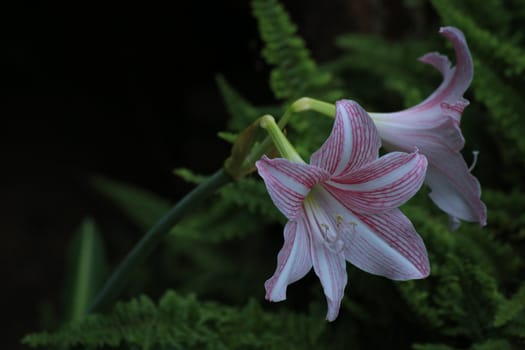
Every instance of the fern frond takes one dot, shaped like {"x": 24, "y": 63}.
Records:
{"x": 241, "y": 208}
{"x": 242, "y": 113}
{"x": 189, "y": 176}
{"x": 251, "y": 194}
{"x": 506, "y": 213}
{"x": 184, "y": 322}
{"x": 462, "y": 294}
{"x": 509, "y": 309}
{"x": 216, "y": 223}
{"x": 295, "y": 73}
{"x": 515, "y": 329}
{"x": 493, "y": 344}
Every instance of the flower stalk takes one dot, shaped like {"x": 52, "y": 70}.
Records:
{"x": 115, "y": 284}
{"x": 307, "y": 104}
{"x": 242, "y": 161}
{"x": 279, "y": 140}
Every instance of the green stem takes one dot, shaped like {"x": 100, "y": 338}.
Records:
{"x": 279, "y": 140}
{"x": 301, "y": 105}
{"x": 114, "y": 285}
{"x": 307, "y": 104}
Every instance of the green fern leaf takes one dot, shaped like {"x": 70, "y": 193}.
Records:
{"x": 241, "y": 112}
{"x": 184, "y": 322}
{"x": 144, "y": 207}
{"x": 493, "y": 344}
{"x": 295, "y": 74}
{"x": 189, "y": 176}
{"x": 462, "y": 294}
{"x": 511, "y": 308}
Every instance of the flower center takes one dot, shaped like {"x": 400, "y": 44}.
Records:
{"x": 325, "y": 222}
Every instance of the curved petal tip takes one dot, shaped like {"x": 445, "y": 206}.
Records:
{"x": 452, "y": 32}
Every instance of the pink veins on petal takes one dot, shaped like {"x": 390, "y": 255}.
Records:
{"x": 433, "y": 127}
{"x": 343, "y": 206}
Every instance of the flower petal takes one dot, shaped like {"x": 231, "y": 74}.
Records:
{"x": 288, "y": 183}
{"x": 456, "y": 191}
{"x": 409, "y": 130}
{"x": 354, "y": 140}
{"x": 464, "y": 69}
{"x": 381, "y": 185}
{"x": 384, "y": 244}
{"x": 449, "y": 95}
{"x": 447, "y": 100}
{"x": 330, "y": 267}
{"x": 387, "y": 245}
{"x": 293, "y": 261}
{"x": 438, "y": 61}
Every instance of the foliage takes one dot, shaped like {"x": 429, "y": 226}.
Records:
{"x": 87, "y": 264}
{"x": 226, "y": 218}
{"x": 183, "y": 322}
{"x": 511, "y": 309}
{"x": 475, "y": 296}
{"x": 242, "y": 113}
{"x": 144, "y": 207}
{"x": 295, "y": 73}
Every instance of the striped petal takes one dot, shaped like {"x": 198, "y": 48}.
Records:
{"x": 384, "y": 244}
{"x": 433, "y": 127}
{"x": 293, "y": 261}
{"x": 456, "y": 191}
{"x": 447, "y": 100}
{"x": 387, "y": 245}
{"x": 330, "y": 267}
{"x": 456, "y": 80}
{"x": 409, "y": 130}
{"x": 288, "y": 183}
{"x": 354, "y": 141}
{"x": 381, "y": 185}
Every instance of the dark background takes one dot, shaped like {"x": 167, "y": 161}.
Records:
{"x": 128, "y": 92}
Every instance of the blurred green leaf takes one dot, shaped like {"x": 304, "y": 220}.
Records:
{"x": 510, "y": 309}
{"x": 142, "y": 206}
{"x": 88, "y": 268}
{"x": 188, "y": 176}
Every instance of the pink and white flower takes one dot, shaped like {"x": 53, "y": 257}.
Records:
{"x": 433, "y": 127}
{"x": 344, "y": 206}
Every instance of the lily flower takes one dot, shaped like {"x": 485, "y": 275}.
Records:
{"x": 433, "y": 127}
{"x": 344, "y": 206}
